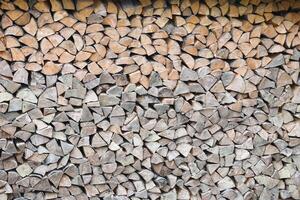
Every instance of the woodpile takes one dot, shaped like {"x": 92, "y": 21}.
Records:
{"x": 141, "y": 99}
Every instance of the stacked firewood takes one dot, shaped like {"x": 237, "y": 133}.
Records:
{"x": 178, "y": 99}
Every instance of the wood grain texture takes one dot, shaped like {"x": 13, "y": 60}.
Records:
{"x": 149, "y": 99}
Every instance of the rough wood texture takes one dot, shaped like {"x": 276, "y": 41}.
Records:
{"x": 150, "y": 99}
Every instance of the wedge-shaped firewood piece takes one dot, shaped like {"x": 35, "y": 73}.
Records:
{"x": 42, "y": 6}
{"x": 68, "y": 4}
{"x": 66, "y": 57}
{"x": 51, "y": 68}
{"x": 238, "y": 84}
{"x": 11, "y": 42}
{"x": 31, "y": 27}
{"x": 56, "y": 5}
{"x": 83, "y": 4}
{"x": 29, "y": 41}
{"x": 17, "y": 54}
{"x": 44, "y": 32}
{"x": 116, "y": 47}
{"x": 46, "y": 45}
{"x": 69, "y": 46}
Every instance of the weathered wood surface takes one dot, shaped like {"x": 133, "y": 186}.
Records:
{"x": 150, "y": 99}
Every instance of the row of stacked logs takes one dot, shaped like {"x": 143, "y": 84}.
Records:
{"x": 179, "y": 99}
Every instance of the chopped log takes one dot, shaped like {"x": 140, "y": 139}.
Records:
{"x": 143, "y": 99}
